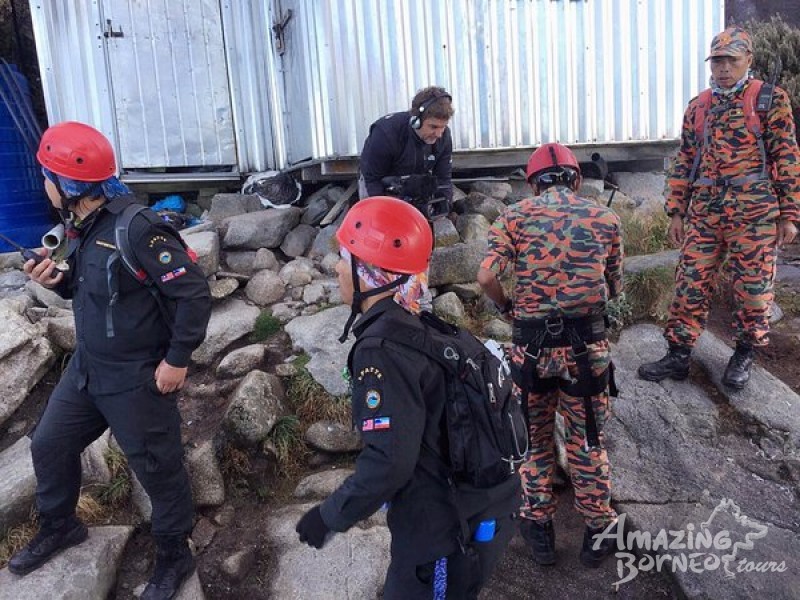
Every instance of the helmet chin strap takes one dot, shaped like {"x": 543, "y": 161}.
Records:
{"x": 359, "y": 296}
{"x": 68, "y": 202}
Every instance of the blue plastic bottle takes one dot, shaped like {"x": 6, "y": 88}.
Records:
{"x": 485, "y": 531}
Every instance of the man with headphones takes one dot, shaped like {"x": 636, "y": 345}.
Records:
{"x": 413, "y": 142}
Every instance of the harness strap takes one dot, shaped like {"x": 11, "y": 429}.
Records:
{"x": 562, "y": 332}
{"x": 733, "y": 181}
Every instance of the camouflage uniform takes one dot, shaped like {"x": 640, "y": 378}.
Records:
{"x": 734, "y": 222}
{"x": 567, "y": 256}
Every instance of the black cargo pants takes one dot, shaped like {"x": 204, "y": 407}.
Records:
{"x": 145, "y": 423}
{"x": 467, "y": 572}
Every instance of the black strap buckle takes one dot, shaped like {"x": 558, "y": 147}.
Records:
{"x": 554, "y": 327}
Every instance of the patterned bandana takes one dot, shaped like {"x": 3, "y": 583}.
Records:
{"x": 111, "y": 187}
{"x": 407, "y": 295}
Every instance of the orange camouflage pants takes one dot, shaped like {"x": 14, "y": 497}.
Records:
{"x": 741, "y": 230}
{"x": 589, "y": 470}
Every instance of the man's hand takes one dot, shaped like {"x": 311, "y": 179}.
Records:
{"x": 787, "y": 232}
{"x": 312, "y": 529}
{"x": 168, "y": 378}
{"x": 676, "y": 231}
{"x": 43, "y": 272}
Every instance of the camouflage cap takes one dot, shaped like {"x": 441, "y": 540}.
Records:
{"x": 734, "y": 41}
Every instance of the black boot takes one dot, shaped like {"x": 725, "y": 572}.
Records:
{"x": 541, "y": 537}
{"x": 53, "y": 537}
{"x": 737, "y": 373}
{"x": 174, "y": 563}
{"x": 591, "y": 556}
{"x": 674, "y": 365}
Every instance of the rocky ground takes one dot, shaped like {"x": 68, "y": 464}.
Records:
{"x": 678, "y": 449}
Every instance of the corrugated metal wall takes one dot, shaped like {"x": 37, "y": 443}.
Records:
{"x": 255, "y": 92}
{"x": 521, "y": 72}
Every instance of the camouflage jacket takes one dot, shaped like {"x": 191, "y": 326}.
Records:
{"x": 566, "y": 252}
{"x": 733, "y": 152}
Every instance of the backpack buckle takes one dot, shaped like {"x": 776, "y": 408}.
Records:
{"x": 554, "y": 327}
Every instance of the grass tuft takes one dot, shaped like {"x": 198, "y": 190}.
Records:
{"x": 286, "y": 439}
{"x": 266, "y": 325}
{"x": 644, "y": 233}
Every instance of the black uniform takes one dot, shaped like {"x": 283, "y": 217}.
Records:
{"x": 393, "y": 148}
{"x": 398, "y": 405}
{"x": 110, "y": 381}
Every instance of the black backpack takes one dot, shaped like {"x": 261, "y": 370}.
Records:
{"x": 124, "y": 254}
{"x": 486, "y": 427}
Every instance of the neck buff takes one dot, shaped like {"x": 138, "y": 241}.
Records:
{"x": 110, "y": 188}
{"x": 407, "y": 294}
{"x": 731, "y": 91}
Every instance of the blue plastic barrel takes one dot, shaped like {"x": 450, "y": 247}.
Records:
{"x": 24, "y": 208}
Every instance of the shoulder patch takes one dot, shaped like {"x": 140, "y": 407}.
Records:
{"x": 164, "y": 257}
{"x": 156, "y": 239}
{"x": 376, "y": 424}
{"x": 374, "y": 371}
{"x": 173, "y": 274}
{"x": 373, "y": 399}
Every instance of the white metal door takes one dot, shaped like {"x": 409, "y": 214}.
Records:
{"x": 169, "y": 83}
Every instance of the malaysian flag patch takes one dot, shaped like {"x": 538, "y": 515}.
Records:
{"x": 377, "y": 424}
{"x": 173, "y": 274}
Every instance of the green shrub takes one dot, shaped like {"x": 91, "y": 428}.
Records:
{"x": 286, "y": 437}
{"x": 777, "y": 38}
{"x": 644, "y": 233}
{"x": 117, "y": 491}
{"x": 649, "y": 293}
{"x": 266, "y": 325}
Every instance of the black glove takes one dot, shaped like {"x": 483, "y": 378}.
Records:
{"x": 312, "y": 528}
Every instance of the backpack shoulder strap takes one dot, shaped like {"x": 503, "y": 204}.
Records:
{"x": 757, "y": 99}
{"x": 123, "y": 243}
{"x": 703, "y": 102}
{"x": 700, "y": 130}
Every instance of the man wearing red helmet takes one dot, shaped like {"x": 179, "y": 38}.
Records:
{"x": 566, "y": 256}
{"x": 133, "y": 346}
{"x": 398, "y": 400}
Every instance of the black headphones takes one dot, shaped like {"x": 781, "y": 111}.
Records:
{"x": 416, "y": 120}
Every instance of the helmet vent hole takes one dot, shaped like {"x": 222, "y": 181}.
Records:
{"x": 397, "y": 243}
{"x": 48, "y": 147}
{"x": 79, "y": 160}
{"x": 358, "y": 224}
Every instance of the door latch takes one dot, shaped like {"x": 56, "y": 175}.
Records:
{"x": 110, "y": 33}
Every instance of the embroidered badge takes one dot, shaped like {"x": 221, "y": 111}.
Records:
{"x": 103, "y": 244}
{"x": 164, "y": 257}
{"x": 173, "y": 274}
{"x": 373, "y": 399}
{"x": 155, "y": 239}
{"x": 369, "y": 371}
{"x": 376, "y": 424}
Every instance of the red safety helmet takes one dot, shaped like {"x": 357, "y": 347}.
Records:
{"x": 77, "y": 151}
{"x": 549, "y": 157}
{"x": 388, "y": 233}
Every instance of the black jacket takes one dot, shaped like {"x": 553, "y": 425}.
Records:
{"x": 142, "y": 337}
{"x": 393, "y": 148}
{"x": 398, "y": 405}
